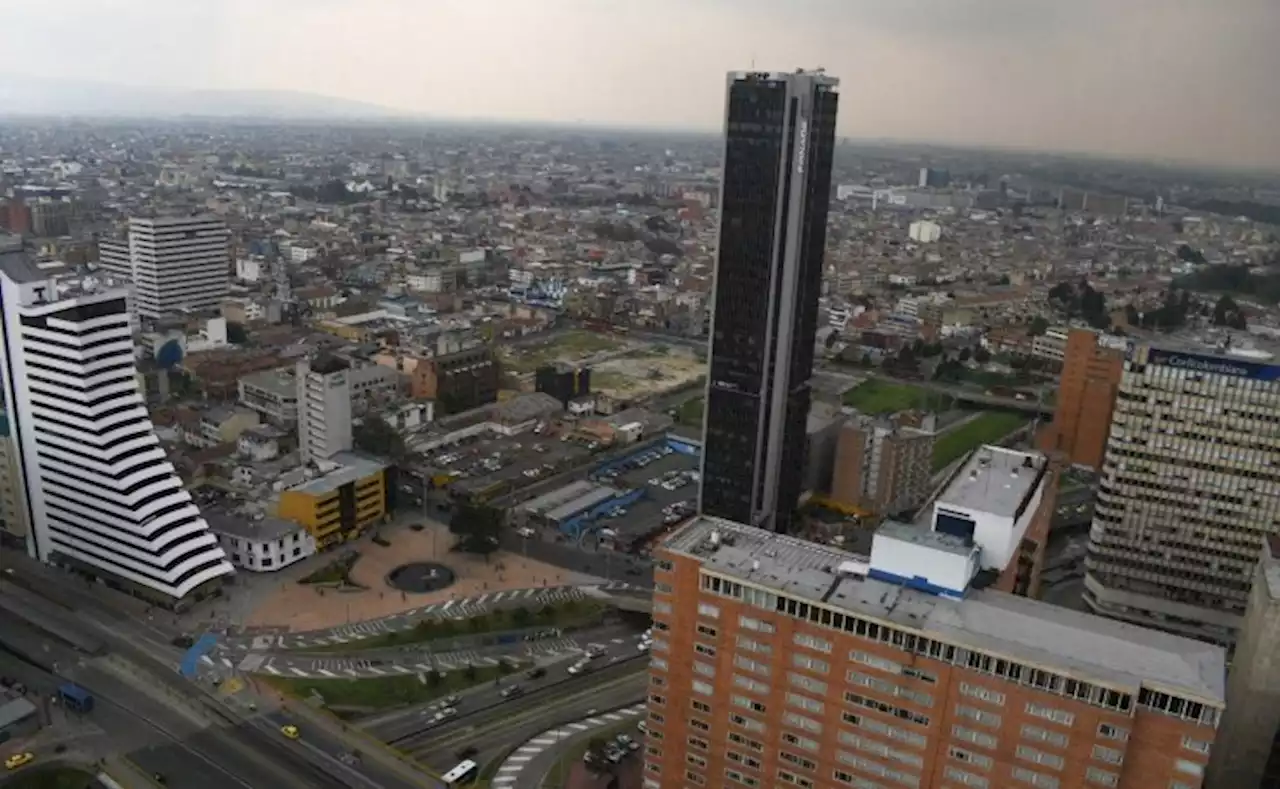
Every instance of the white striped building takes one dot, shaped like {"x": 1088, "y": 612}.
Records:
{"x": 101, "y": 496}
{"x": 175, "y": 263}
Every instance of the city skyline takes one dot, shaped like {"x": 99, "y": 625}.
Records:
{"x": 1134, "y": 78}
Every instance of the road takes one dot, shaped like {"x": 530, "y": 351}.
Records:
{"x": 249, "y": 752}
{"x": 621, "y": 654}
{"x": 496, "y": 731}
{"x": 421, "y": 657}
{"x": 158, "y": 736}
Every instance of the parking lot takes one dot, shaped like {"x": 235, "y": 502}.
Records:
{"x": 494, "y": 461}
{"x": 669, "y": 479}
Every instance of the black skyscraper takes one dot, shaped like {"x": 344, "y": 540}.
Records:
{"x": 775, "y": 190}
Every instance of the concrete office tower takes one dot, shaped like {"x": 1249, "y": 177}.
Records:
{"x": 884, "y": 465}
{"x": 100, "y": 495}
{"x": 1087, "y": 388}
{"x": 179, "y": 263}
{"x": 778, "y": 662}
{"x": 324, "y": 408}
{"x": 1188, "y": 491}
{"x": 1248, "y": 752}
{"x": 774, "y": 193}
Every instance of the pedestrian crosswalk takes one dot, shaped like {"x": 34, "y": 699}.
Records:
{"x": 466, "y": 608}
{"x": 509, "y": 774}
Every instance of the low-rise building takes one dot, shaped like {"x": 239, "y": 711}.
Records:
{"x": 261, "y": 543}
{"x": 272, "y": 393}
{"x": 351, "y": 494}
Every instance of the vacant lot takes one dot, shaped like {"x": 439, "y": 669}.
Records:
{"x": 50, "y": 778}
{"x": 884, "y": 397}
{"x": 570, "y": 346}
{"x": 985, "y": 429}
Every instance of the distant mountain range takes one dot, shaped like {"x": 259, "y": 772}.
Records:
{"x": 24, "y": 95}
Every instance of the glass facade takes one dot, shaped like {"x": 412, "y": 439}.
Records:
{"x": 780, "y": 137}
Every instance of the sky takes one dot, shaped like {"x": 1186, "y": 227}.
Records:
{"x": 1197, "y": 80}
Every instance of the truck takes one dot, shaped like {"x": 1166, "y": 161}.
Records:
{"x": 74, "y": 697}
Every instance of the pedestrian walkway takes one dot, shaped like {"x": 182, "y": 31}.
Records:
{"x": 410, "y": 663}
{"x": 510, "y": 772}
{"x": 467, "y": 608}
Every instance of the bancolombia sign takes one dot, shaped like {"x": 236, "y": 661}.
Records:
{"x": 1214, "y": 365}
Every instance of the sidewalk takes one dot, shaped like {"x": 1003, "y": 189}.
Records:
{"x": 124, "y": 774}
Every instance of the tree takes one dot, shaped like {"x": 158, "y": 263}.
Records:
{"x": 470, "y": 672}
{"x": 1039, "y": 325}
{"x": 375, "y": 436}
{"x": 596, "y": 749}
{"x": 236, "y": 335}
{"x": 1227, "y": 313}
{"x": 1131, "y": 315}
{"x": 478, "y": 527}
{"x": 981, "y": 355}
{"x": 965, "y": 354}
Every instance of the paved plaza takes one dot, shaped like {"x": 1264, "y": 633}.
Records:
{"x": 279, "y": 602}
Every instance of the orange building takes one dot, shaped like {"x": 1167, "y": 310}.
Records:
{"x": 1086, "y": 396}
{"x": 782, "y": 663}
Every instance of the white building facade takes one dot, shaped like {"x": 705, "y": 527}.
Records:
{"x": 179, "y": 263}
{"x": 101, "y": 495}
{"x": 324, "y": 408}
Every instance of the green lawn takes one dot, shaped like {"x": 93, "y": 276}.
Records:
{"x": 987, "y": 428}
{"x": 569, "y": 614}
{"x": 49, "y": 778}
{"x": 875, "y": 396}
{"x": 690, "y": 412}
{"x": 386, "y": 692}
{"x": 559, "y": 772}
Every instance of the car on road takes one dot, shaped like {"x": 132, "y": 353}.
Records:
{"x": 466, "y": 753}
{"x": 581, "y": 667}
{"x": 18, "y": 759}
{"x": 625, "y": 741}
{"x": 642, "y": 727}
{"x": 511, "y": 691}
{"x": 290, "y": 731}
{"x": 448, "y": 712}
{"x": 450, "y": 701}
{"x": 536, "y": 673}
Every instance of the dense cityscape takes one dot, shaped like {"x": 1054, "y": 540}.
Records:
{"x": 392, "y": 454}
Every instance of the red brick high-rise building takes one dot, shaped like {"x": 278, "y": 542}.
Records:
{"x": 783, "y": 663}
{"x": 1086, "y": 396}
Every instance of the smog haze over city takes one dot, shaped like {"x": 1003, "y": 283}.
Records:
{"x": 417, "y": 394}
{"x": 1176, "y": 79}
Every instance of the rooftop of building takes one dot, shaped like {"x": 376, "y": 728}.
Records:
{"x": 908, "y": 532}
{"x": 1086, "y": 647}
{"x": 251, "y": 526}
{"x": 279, "y": 381}
{"x": 327, "y": 364}
{"x": 352, "y": 466}
{"x": 994, "y": 480}
{"x": 1227, "y": 344}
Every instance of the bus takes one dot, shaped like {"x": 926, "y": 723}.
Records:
{"x": 464, "y": 773}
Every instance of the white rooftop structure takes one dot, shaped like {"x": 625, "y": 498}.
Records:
{"x": 1077, "y": 645}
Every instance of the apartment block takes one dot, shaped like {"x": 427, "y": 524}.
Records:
{"x": 324, "y": 408}
{"x": 1189, "y": 489}
{"x": 883, "y": 465}
{"x": 782, "y": 663}
{"x": 457, "y": 381}
{"x": 1091, "y": 370}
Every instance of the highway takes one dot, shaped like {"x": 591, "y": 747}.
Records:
{"x": 185, "y": 746}
{"x": 622, "y": 652}
{"x": 198, "y": 735}
{"x": 497, "y": 729}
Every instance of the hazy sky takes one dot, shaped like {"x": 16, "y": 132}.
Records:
{"x": 1194, "y": 79}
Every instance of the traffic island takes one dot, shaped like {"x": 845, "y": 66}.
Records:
{"x": 350, "y": 698}
{"x": 566, "y": 616}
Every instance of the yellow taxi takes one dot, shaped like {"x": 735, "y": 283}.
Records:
{"x": 290, "y": 731}
{"x": 18, "y": 759}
